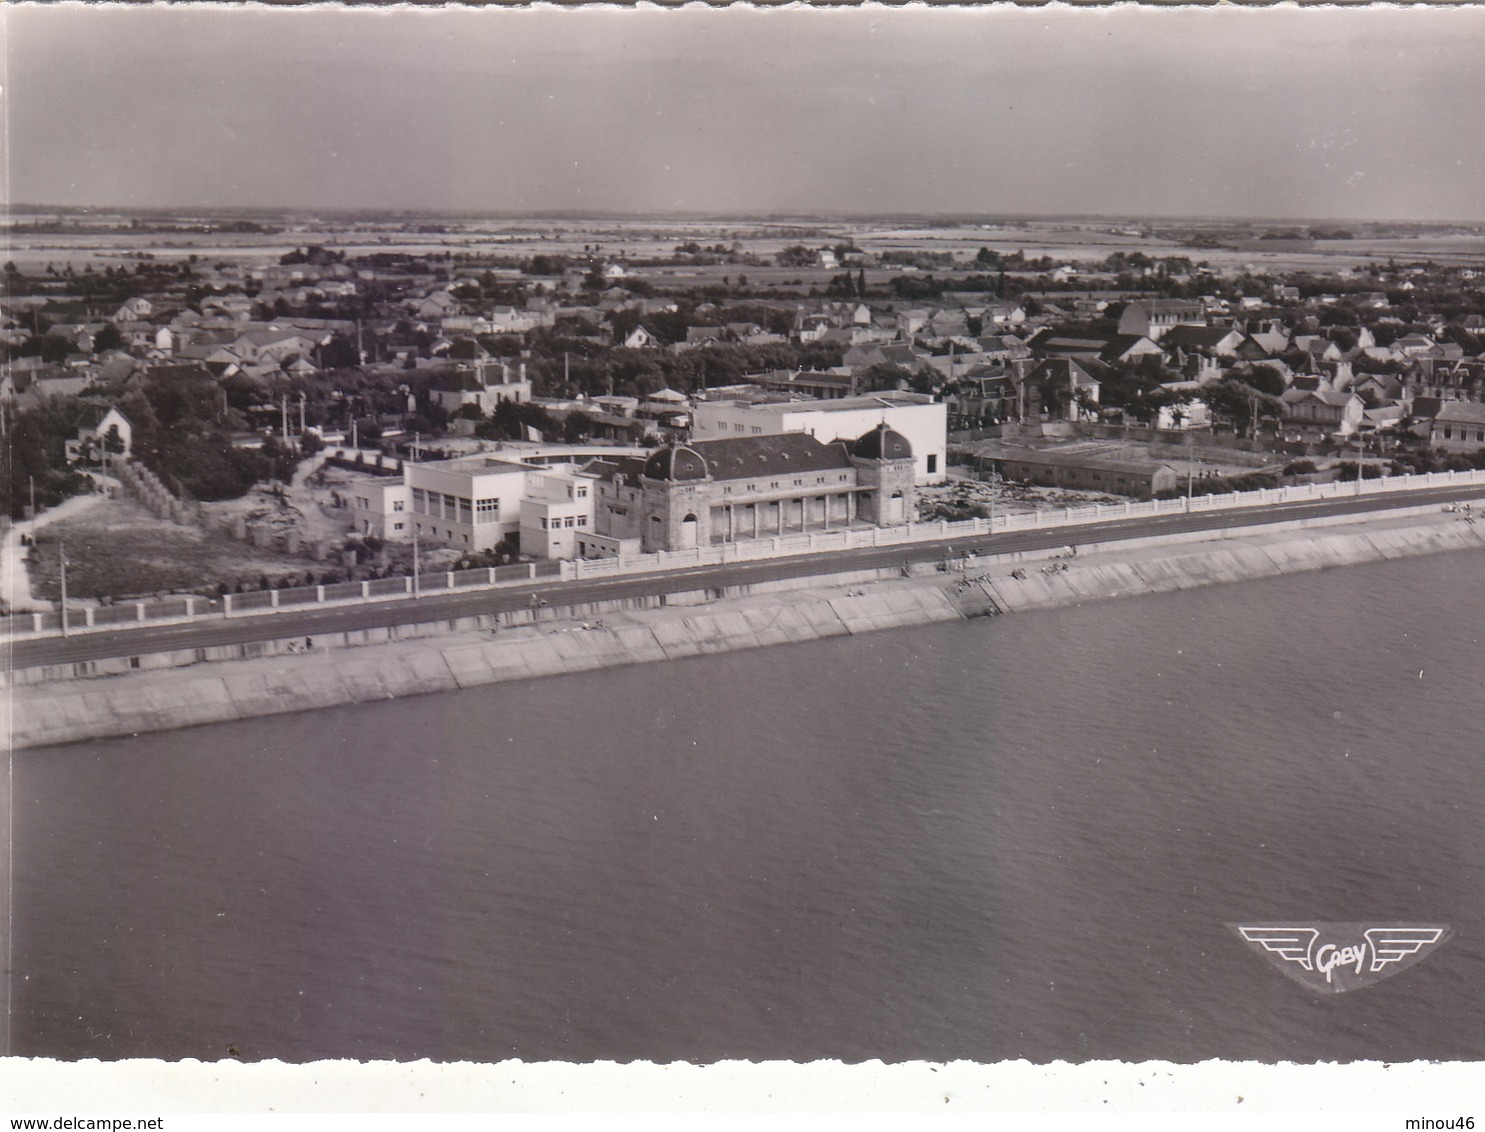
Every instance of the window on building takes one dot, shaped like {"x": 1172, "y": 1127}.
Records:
{"x": 932, "y": 463}
{"x": 757, "y": 430}
{"x": 543, "y": 524}
{"x": 420, "y": 501}
{"x": 737, "y": 428}
{"x": 397, "y": 505}
{"x": 570, "y": 521}
{"x": 398, "y": 526}
{"x": 582, "y": 520}
{"x": 582, "y": 493}
{"x": 490, "y": 507}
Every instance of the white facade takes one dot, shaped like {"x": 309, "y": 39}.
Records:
{"x": 919, "y": 418}
{"x": 557, "y": 510}
{"x": 484, "y": 384}
{"x": 379, "y": 506}
{"x": 469, "y": 504}
{"x": 473, "y": 503}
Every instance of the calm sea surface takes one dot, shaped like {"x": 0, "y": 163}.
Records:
{"x": 1018, "y": 837}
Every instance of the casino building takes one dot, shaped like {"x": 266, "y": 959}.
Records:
{"x": 751, "y": 487}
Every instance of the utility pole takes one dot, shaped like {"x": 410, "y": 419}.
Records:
{"x": 1359, "y": 451}
{"x": 62, "y": 553}
{"x": 33, "y": 498}
{"x": 417, "y": 589}
{"x": 283, "y": 405}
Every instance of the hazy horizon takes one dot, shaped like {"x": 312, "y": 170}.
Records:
{"x": 290, "y": 211}
{"x": 1299, "y": 115}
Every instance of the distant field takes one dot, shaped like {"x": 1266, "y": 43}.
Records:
{"x": 1069, "y": 241}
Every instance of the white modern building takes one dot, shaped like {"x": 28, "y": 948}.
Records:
{"x": 918, "y": 417}
{"x": 475, "y": 502}
{"x": 378, "y": 506}
{"x": 471, "y": 503}
{"x": 556, "y": 511}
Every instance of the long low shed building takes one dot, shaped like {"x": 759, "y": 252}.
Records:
{"x": 1086, "y": 471}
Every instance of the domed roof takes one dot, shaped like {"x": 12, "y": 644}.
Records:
{"x": 675, "y": 463}
{"x": 882, "y": 443}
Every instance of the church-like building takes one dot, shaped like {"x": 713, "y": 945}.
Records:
{"x": 755, "y": 487}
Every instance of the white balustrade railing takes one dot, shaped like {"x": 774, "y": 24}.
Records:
{"x": 770, "y": 547}
{"x": 1016, "y": 521}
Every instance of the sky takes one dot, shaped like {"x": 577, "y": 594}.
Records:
{"x": 1335, "y": 113}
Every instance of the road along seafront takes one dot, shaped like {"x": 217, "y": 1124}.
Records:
{"x": 132, "y": 695}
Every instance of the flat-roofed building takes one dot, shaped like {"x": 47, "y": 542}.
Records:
{"x": 557, "y": 511}
{"x": 471, "y": 503}
{"x": 378, "y": 506}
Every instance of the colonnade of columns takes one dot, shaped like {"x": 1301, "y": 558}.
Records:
{"x": 839, "y": 508}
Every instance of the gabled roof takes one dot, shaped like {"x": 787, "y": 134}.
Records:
{"x": 1061, "y": 371}
{"x": 93, "y": 415}
{"x": 1197, "y": 337}
{"x": 1459, "y": 412}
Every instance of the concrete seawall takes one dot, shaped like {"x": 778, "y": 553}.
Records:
{"x": 1234, "y": 560}
{"x": 266, "y": 678}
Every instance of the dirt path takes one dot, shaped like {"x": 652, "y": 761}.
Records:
{"x": 15, "y": 578}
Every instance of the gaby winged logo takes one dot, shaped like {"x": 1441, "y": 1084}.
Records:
{"x": 1332, "y": 958}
